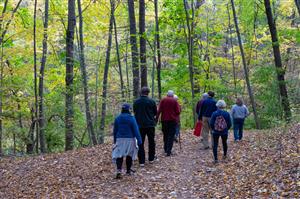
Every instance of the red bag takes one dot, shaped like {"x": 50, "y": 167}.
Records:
{"x": 198, "y": 128}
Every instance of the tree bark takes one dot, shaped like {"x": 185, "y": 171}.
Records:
{"x": 69, "y": 117}
{"x": 118, "y": 58}
{"x": 127, "y": 70}
{"x": 134, "y": 49}
{"x": 88, "y": 116}
{"x": 280, "y": 71}
{"x": 297, "y": 2}
{"x": 157, "y": 38}
{"x": 105, "y": 75}
{"x": 97, "y": 95}
{"x": 143, "y": 61}
{"x": 190, "y": 48}
{"x": 1, "y": 95}
{"x": 41, "y": 81}
{"x": 35, "y": 81}
{"x": 232, "y": 52}
{"x": 245, "y": 67}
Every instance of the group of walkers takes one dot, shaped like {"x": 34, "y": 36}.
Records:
{"x": 130, "y": 131}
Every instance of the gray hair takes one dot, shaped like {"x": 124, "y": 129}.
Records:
{"x": 221, "y": 104}
{"x": 170, "y": 93}
{"x": 176, "y": 97}
{"x": 204, "y": 96}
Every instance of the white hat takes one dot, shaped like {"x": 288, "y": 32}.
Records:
{"x": 221, "y": 104}
{"x": 176, "y": 97}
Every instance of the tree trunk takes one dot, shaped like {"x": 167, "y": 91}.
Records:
{"x": 89, "y": 121}
{"x": 134, "y": 50}
{"x": 105, "y": 75}
{"x": 280, "y": 71}
{"x": 69, "y": 118}
{"x": 119, "y": 59}
{"x": 297, "y": 2}
{"x": 35, "y": 79}
{"x": 232, "y": 52}
{"x": 97, "y": 95}
{"x": 144, "y": 81}
{"x": 245, "y": 67}
{"x": 127, "y": 71}
{"x": 158, "y": 50}
{"x": 30, "y": 141}
{"x": 41, "y": 82}
{"x": 190, "y": 49}
{"x": 1, "y": 94}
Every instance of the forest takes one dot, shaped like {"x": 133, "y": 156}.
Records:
{"x": 67, "y": 66}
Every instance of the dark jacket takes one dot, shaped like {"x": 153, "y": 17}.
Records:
{"x": 169, "y": 109}
{"x": 125, "y": 126}
{"x": 145, "y": 111}
{"x": 207, "y": 108}
{"x": 227, "y": 118}
{"x": 199, "y": 105}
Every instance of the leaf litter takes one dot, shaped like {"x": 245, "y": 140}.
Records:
{"x": 264, "y": 165}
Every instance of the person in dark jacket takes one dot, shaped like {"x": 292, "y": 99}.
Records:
{"x": 126, "y": 137}
{"x": 145, "y": 111}
{"x": 169, "y": 110}
{"x": 207, "y": 108}
{"x": 220, "y": 123}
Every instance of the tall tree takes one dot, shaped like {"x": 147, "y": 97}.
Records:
{"x": 245, "y": 66}
{"x": 144, "y": 81}
{"x": 280, "y": 71}
{"x": 41, "y": 81}
{"x": 89, "y": 122}
{"x": 190, "y": 27}
{"x": 35, "y": 87}
{"x": 118, "y": 57}
{"x": 157, "y": 38}
{"x": 297, "y": 2}
{"x": 69, "y": 117}
{"x": 105, "y": 74}
{"x": 134, "y": 49}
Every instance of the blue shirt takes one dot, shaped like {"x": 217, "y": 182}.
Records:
{"x": 227, "y": 118}
{"x": 125, "y": 126}
{"x": 207, "y": 108}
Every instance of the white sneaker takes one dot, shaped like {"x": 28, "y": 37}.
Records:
{"x": 142, "y": 165}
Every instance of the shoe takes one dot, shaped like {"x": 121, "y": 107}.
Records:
{"x": 119, "y": 175}
{"x": 142, "y": 165}
{"x": 216, "y": 161}
{"x": 176, "y": 139}
{"x": 130, "y": 172}
{"x": 152, "y": 161}
{"x": 205, "y": 148}
{"x": 224, "y": 157}
{"x": 168, "y": 154}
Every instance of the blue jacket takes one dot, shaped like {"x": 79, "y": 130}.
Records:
{"x": 207, "y": 108}
{"x": 125, "y": 126}
{"x": 227, "y": 118}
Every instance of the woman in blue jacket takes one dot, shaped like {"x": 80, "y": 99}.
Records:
{"x": 126, "y": 138}
{"x": 220, "y": 123}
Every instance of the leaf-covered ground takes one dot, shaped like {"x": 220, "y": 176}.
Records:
{"x": 264, "y": 165}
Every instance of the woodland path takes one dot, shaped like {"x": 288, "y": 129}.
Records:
{"x": 256, "y": 169}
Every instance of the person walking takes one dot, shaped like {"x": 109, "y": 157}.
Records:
{"x": 169, "y": 110}
{"x": 220, "y": 123}
{"x": 177, "y": 132}
{"x": 239, "y": 112}
{"x": 145, "y": 111}
{"x": 207, "y": 108}
{"x": 126, "y": 137}
{"x": 200, "y": 102}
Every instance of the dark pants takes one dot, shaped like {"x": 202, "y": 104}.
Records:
{"x": 150, "y": 132}
{"x": 216, "y": 143}
{"x": 128, "y": 163}
{"x": 169, "y": 130}
{"x": 238, "y": 125}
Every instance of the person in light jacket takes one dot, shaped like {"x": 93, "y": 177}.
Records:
{"x": 238, "y": 113}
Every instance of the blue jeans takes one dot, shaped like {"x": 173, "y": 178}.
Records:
{"x": 238, "y": 125}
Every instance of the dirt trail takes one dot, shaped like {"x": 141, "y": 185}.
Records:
{"x": 190, "y": 173}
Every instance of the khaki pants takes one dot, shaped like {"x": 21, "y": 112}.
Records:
{"x": 205, "y": 131}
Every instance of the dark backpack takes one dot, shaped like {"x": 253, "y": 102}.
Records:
{"x": 220, "y": 123}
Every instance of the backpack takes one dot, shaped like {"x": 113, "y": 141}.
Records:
{"x": 220, "y": 123}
